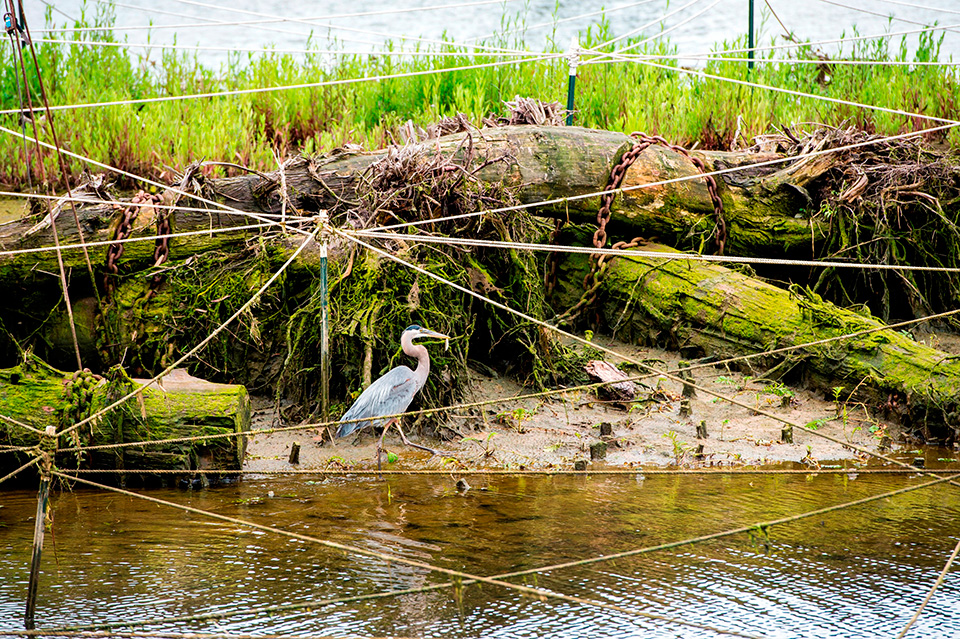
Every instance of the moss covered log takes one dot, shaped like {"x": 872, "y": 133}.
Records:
{"x": 707, "y": 310}
{"x": 182, "y": 406}
{"x": 539, "y": 162}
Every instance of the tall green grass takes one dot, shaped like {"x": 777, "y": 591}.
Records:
{"x": 248, "y": 129}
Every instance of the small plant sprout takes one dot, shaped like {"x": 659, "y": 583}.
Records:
{"x": 485, "y": 442}
{"x": 836, "y": 390}
{"x": 680, "y": 449}
{"x": 515, "y": 418}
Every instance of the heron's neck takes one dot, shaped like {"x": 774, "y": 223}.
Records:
{"x": 423, "y": 360}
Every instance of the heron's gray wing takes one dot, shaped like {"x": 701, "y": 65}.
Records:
{"x": 389, "y": 395}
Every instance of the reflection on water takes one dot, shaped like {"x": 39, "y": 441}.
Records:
{"x": 856, "y": 573}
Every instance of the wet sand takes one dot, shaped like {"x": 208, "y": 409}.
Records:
{"x": 556, "y": 432}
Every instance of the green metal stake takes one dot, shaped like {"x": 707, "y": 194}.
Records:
{"x": 750, "y": 37}
{"x": 573, "y": 59}
{"x": 324, "y": 320}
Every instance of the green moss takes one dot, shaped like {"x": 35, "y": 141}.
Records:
{"x": 715, "y": 311}
{"x": 30, "y": 393}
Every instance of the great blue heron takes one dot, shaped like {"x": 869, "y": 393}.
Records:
{"x": 392, "y": 393}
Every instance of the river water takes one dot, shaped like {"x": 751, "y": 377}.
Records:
{"x": 860, "y": 572}
{"x": 693, "y": 26}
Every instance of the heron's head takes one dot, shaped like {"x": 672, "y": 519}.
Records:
{"x": 415, "y": 332}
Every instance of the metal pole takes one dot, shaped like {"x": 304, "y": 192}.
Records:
{"x": 46, "y": 464}
{"x": 573, "y": 59}
{"x": 324, "y": 322}
{"x": 750, "y": 36}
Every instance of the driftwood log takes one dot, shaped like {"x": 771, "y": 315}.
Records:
{"x": 763, "y": 212}
{"x": 181, "y": 406}
{"x": 704, "y": 309}
{"x": 766, "y": 210}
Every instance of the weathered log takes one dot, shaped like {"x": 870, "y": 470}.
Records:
{"x": 765, "y": 210}
{"x": 179, "y": 407}
{"x": 538, "y": 163}
{"x": 706, "y": 310}
{"x": 99, "y": 224}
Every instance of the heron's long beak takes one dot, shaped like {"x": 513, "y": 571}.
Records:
{"x": 426, "y": 332}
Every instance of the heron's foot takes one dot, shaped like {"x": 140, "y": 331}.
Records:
{"x": 406, "y": 441}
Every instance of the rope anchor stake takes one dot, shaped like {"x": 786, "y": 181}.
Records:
{"x": 48, "y": 447}
{"x": 573, "y": 60}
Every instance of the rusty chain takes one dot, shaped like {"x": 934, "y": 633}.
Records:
{"x": 720, "y": 234}
{"x": 553, "y": 259}
{"x": 162, "y": 250}
{"x": 599, "y": 263}
{"x": 124, "y": 229}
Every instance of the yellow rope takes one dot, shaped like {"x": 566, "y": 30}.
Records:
{"x": 546, "y": 393}
{"x": 28, "y": 427}
{"x": 174, "y": 635}
{"x": 638, "y": 363}
{"x": 456, "y": 472}
{"x": 22, "y": 468}
{"x": 628, "y": 253}
{"x": 253, "y": 300}
{"x": 933, "y": 589}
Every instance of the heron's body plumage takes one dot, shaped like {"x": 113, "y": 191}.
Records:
{"x": 389, "y": 395}
{"x": 392, "y": 393}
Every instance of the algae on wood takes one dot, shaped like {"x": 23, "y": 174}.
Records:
{"x": 180, "y": 407}
{"x": 706, "y": 310}
{"x": 768, "y": 211}
{"x": 541, "y": 162}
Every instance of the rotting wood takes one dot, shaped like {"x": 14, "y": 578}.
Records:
{"x": 540, "y": 162}
{"x": 708, "y": 310}
{"x": 180, "y": 406}
{"x": 768, "y": 210}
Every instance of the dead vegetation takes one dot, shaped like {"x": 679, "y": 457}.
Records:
{"x": 894, "y": 202}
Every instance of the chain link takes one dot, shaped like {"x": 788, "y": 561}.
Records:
{"x": 720, "y": 232}
{"x": 125, "y": 228}
{"x": 553, "y": 259}
{"x": 599, "y": 263}
{"x": 162, "y": 250}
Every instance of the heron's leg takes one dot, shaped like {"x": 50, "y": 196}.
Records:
{"x": 410, "y": 443}
{"x": 380, "y": 441}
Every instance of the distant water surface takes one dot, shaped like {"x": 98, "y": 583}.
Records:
{"x": 691, "y": 29}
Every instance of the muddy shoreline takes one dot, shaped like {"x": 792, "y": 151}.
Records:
{"x": 557, "y": 432}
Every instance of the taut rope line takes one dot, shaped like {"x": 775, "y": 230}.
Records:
{"x": 539, "y": 593}
{"x": 638, "y": 363}
{"x": 593, "y": 560}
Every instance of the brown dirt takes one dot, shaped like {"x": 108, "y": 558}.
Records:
{"x": 557, "y": 431}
